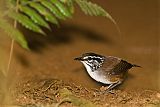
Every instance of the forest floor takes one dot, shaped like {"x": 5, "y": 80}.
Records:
{"x": 55, "y": 93}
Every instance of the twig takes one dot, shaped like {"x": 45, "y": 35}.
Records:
{"x": 12, "y": 43}
{"x": 10, "y": 55}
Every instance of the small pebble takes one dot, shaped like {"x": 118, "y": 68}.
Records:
{"x": 158, "y": 95}
{"x": 103, "y": 88}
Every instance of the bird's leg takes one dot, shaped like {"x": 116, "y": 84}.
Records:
{"x": 111, "y": 86}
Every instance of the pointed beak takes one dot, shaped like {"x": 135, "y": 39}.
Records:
{"x": 78, "y": 59}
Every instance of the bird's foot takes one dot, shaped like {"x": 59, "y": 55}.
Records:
{"x": 110, "y": 91}
{"x": 106, "y": 90}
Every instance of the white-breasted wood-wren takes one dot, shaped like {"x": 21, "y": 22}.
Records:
{"x": 106, "y": 69}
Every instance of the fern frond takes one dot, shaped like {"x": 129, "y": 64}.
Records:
{"x": 53, "y": 9}
{"x": 26, "y": 22}
{"x": 13, "y": 33}
{"x": 34, "y": 16}
{"x": 62, "y": 8}
{"x": 43, "y": 11}
{"x": 69, "y": 4}
{"x": 92, "y": 9}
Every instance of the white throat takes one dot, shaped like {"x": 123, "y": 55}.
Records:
{"x": 88, "y": 68}
{"x": 96, "y": 75}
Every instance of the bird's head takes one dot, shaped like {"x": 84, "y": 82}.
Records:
{"x": 91, "y": 60}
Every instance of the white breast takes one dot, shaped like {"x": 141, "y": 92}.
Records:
{"x": 96, "y": 75}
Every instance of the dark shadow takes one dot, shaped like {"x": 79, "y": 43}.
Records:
{"x": 62, "y": 35}
{"x": 124, "y": 85}
{"x": 58, "y": 36}
{"x": 22, "y": 59}
{"x": 130, "y": 76}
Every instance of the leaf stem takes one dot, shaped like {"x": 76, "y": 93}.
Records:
{"x": 12, "y": 42}
{"x": 10, "y": 55}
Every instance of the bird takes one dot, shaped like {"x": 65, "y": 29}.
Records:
{"x": 108, "y": 70}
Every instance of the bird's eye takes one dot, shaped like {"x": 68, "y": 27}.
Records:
{"x": 89, "y": 58}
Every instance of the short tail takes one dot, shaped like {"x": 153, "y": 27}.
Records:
{"x": 134, "y": 65}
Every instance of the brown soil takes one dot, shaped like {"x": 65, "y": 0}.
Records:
{"x": 48, "y": 74}
{"x": 55, "y": 92}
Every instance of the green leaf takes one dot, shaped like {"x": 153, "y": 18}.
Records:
{"x": 53, "y": 9}
{"x": 64, "y": 1}
{"x": 93, "y": 9}
{"x": 25, "y": 21}
{"x": 70, "y": 6}
{"x": 13, "y": 33}
{"x": 43, "y": 11}
{"x": 62, "y": 8}
{"x": 34, "y": 16}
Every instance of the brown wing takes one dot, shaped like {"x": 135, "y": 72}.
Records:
{"x": 108, "y": 66}
{"x": 109, "y": 63}
{"x": 115, "y": 66}
{"x": 121, "y": 67}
